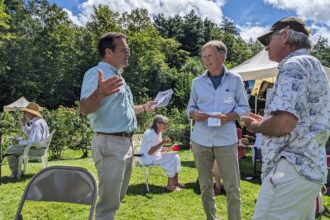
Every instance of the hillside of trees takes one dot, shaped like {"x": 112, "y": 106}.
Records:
{"x": 43, "y": 55}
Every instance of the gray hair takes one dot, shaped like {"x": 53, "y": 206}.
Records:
{"x": 298, "y": 39}
{"x": 218, "y": 45}
{"x": 158, "y": 119}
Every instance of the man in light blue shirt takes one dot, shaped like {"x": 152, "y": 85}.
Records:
{"x": 217, "y": 99}
{"x": 108, "y": 102}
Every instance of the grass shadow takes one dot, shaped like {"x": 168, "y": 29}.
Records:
{"x": 8, "y": 180}
{"x": 190, "y": 164}
{"x": 140, "y": 189}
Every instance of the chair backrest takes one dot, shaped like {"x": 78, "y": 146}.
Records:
{"x": 45, "y": 143}
{"x": 61, "y": 184}
{"x": 136, "y": 140}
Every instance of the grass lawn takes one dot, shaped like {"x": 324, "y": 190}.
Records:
{"x": 159, "y": 204}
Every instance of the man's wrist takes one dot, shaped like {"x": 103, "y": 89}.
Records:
{"x": 255, "y": 127}
{"x": 144, "y": 108}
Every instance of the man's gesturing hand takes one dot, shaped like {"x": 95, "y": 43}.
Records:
{"x": 109, "y": 86}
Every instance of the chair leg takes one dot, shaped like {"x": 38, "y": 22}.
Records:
{"x": 44, "y": 161}
{"x": 25, "y": 160}
{"x": 19, "y": 168}
{"x": 146, "y": 172}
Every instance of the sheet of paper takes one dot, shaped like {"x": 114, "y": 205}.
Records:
{"x": 163, "y": 98}
{"x": 213, "y": 122}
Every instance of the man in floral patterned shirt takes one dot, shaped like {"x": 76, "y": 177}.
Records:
{"x": 295, "y": 127}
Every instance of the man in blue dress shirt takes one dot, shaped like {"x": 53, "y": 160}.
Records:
{"x": 217, "y": 99}
{"x": 108, "y": 102}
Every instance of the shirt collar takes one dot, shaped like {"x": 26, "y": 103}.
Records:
{"x": 293, "y": 54}
{"x": 110, "y": 67}
{"x": 225, "y": 73}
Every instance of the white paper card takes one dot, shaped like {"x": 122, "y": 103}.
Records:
{"x": 163, "y": 98}
{"x": 213, "y": 122}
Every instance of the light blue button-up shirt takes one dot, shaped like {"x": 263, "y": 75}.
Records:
{"x": 116, "y": 113}
{"x": 230, "y": 96}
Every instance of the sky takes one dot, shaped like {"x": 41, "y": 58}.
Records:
{"x": 251, "y": 17}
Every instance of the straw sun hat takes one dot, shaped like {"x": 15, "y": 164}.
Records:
{"x": 32, "y": 108}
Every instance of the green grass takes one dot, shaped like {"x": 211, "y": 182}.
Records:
{"x": 159, "y": 204}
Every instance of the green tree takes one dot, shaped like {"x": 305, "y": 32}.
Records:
{"x": 322, "y": 51}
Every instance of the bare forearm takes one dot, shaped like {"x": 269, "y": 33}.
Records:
{"x": 275, "y": 126}
{"x": 155, "y": 148}
{"x": 91, "y": 103}
{"x": 138, "y": 109}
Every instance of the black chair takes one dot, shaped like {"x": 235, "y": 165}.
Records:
{"x": 61, "y": 184}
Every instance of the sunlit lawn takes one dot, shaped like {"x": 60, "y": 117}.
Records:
{"x": 159, "y": 204}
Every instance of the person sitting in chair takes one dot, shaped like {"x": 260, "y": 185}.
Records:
{"x": 35, "y": 128}
{"x": 152, "y": 148}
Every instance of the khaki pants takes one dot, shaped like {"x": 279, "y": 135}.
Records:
{"x": 227, "y": 160}
{"x": 285, "y": 195}
{"x": 112, "y": 156}
{"x": 16, "y": 151}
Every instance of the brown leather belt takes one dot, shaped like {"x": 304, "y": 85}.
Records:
{"x": 119, "y": 134}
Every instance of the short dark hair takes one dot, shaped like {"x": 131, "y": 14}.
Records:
{"x": 107, "y": 41}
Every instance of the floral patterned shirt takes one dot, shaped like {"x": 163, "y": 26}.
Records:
{"x": 301, "y": 88}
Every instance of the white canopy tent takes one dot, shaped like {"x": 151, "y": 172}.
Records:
{"x": 18, "y": 104}
{"x": 260, "y": 67}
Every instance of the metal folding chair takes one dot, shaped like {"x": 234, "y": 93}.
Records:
{"x": 61, "y": 184}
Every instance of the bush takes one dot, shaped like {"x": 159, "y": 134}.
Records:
{"x": 73, "y": 131}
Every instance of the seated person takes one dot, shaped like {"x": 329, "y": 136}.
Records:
{"x": 152, "y": 148}
{"x": 35, "y": 128}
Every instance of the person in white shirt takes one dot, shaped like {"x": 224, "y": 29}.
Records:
{"x": 153, "y": 152}
{"x": 35, "y": 128}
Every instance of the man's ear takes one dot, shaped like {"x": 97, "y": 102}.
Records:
{"x": 108, "y": 51}
{"x": 286, "y": 35}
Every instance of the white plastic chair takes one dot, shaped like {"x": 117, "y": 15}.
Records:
{"x": 26, "y": 157}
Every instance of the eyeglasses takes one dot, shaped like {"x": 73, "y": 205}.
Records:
{"x": 126, "y": 50}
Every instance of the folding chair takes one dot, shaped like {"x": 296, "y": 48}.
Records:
{"x": 61, "y": 184}
{"x": 25, "y": 157}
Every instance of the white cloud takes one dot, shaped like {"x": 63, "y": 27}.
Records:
{"x": 249, "y": 31}
{"x": 320, "y": 31}
{"x": 73, "y": 18}
{"x": 203, "y": 8}
{"x": 315, "y": 10}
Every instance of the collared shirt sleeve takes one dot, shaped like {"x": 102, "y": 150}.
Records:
{"x": 192, "y": 104}
{"x": 90, "y": 83}
{"x": 242, "y": 104}
{"x": 291, "y": 92}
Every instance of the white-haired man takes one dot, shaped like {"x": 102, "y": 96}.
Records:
{"x": 295, "y": 126}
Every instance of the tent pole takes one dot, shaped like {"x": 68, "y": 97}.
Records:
{"x": 255, "y": 103}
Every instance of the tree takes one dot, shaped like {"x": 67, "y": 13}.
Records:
{"x": 322, "y": 51}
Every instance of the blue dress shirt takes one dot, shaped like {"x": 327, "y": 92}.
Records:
{"x": 230, "y": 96}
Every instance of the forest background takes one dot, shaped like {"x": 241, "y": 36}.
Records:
{"x": 43, "y": 56}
